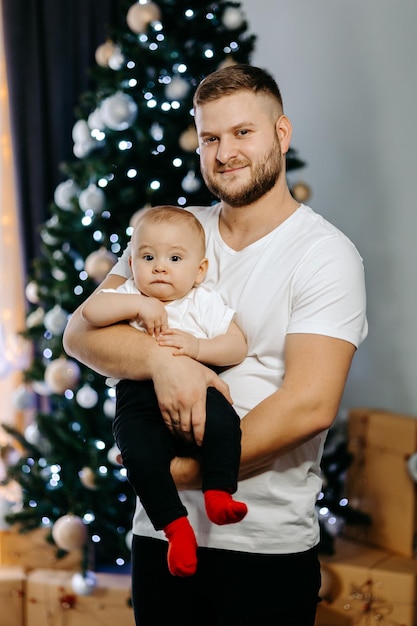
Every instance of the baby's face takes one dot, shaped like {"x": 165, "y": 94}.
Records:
{"x": 166, "y": 260}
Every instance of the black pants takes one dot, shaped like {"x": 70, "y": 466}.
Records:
{"x": 147, "y": 448}
{"x": 229, "y": 589}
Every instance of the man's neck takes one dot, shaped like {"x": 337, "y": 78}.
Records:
{"x": 240, "y": 227}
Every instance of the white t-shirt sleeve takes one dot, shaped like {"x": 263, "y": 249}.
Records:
{"x": 329, "y": 293}
{"x": 213, "y": 315}
{"x": 122, "y": 267}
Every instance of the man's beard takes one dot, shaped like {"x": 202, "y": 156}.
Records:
{"x": 263, "y": 180}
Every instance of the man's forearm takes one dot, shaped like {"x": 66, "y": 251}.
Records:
{"x": 111, "y": 351}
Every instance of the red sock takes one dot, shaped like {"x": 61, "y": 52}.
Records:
{"x": 182, "y": 547}
{"x": 222, "y": 509}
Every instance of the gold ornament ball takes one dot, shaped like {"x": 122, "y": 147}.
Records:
{"x": 99, "y": 263}
{"x": 69, "y": 532}
{"x": 327, "y": 587}
{"x": 88, "y": 479}
{"x": 228, "y": 62}
{"x": 62, "y": 374}
{"x": 139, "y": 16}
{"x": 104, "y": 52}
{"x": 189, "y": 140}
{"x": 301, "y": 192}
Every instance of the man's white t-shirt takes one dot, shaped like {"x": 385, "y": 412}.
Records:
{"x": 303, "y": 277}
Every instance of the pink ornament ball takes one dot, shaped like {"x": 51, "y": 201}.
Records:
{"x": 62, "y": 374}
{"x": 69, "y": 532}
{"x": 104, "y": 52}
{"x": 99, "y": 263}
{"x": 139, "y": 16}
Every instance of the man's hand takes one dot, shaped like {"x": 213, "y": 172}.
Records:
{"x": 181, "y": 387}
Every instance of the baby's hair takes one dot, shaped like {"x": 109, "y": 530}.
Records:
{"x": 174, "y": 215}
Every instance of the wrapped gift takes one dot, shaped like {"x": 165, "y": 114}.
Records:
{"x": 378, "y": 480}
{"x": 12, "y": 581}
{"x": 328, "y": 616}
{"x": 51, "y": 599}
{"x": 369, "y": 585}
{"x": 31, "y": 550}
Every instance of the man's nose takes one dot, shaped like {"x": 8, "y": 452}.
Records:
{"x": 227, "y": 149}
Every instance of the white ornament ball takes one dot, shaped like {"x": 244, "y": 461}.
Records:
{"x": 31, "y": 292}
{"x": 23, "y": 398}
{"x": 104, "y": 52}
{"x": 118, "y": 111}
{"x": 55, "y": 320}
{"x": 87, "y": 397}
{"x": 92, "y": 199}
{"x": 65, "y": 193}
{"x": 189, "y": 140}
{"x": 109, "y": 408}
{"x": 81, "y": 131}
{"x": 69, "y": 532}
{"x": 113, "y": 455}
{"x": 32, "y": 434}
{"x": 82, "y": 148}
{"x": 95, "y": 121}
{"x": 84, "y": 585}
{"x": 99, "y": 263}
{"x": 88, "y": 478}
{"x": 139, "y": 16}
{"x": 177, "y": 88}
{"x": 190, "y": 183}
{"x": 116, "y": 60}
{"x": 62, "y": 374}
{"x": 129, "y": 539}
{"x": 232, "y": 18}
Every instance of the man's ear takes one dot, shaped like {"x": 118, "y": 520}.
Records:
{"x": 283, "y": 127}
{"x": 202, "y": 271}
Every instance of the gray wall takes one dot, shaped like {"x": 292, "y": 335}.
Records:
{"x": 348, "y": 73}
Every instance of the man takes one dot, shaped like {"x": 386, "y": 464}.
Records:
{"x": 297, "y": 285}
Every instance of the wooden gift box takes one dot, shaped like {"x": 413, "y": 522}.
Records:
{"x": 369, "y": 586}
{"x": 12, "y": 588}
{"x": 378, "y": 481}
{"x": 51, "y": 600}
{"x": 31, "y": 550}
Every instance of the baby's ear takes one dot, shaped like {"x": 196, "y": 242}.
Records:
{"x": 202, "y": 271}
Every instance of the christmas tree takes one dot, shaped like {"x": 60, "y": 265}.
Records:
{"x": 134, "y": 145}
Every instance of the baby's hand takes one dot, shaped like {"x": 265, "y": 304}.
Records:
{"x": 183, "y": 343}
{"x": 152, "y": 315}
